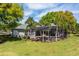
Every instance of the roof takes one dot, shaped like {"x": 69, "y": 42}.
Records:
{"x": 53, "y": 26}
{"x": 44, "y": 28}
{"x": 23, "y": 26}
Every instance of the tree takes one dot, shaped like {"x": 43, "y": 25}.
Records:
{"x": 77, "y": 28}
{"x": 63, "y": 19}
{"x": 71, "y": 21}
{"x": 30, "y": 23}
{"x": 10, "y": 15}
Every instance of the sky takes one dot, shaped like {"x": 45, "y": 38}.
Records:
{"x": 37, "y": 10}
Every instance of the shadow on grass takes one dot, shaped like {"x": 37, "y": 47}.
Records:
{"x": 4, "y": 38}
{"x": 76, "y": 35}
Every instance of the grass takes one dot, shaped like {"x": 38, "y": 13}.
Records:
{"x": 67, "y": 47}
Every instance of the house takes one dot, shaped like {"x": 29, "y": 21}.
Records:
{"x": 19, "y": 31}
{"x": 44, "y": 33}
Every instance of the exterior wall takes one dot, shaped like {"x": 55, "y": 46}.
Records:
{"x": 17, "y": 33}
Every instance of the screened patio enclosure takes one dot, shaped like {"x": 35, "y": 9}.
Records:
{"x": 44, "y": 33}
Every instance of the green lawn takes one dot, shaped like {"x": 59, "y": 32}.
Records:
{"x": 67, "y": 47}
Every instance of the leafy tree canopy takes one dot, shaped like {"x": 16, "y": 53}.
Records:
{"x": 10, "y": 15}
{"x": 63, "y": 19}
{"x": 30, "y": 23}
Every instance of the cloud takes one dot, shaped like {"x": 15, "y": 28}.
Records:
{"x": 57, "y": 9}
{"x": 46, "y": 11}
{"x": 37, "y": 6}
{"x": 28, "y": 12}
{"x": 41, "y": 14}
{"x": 75, "y": 12}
